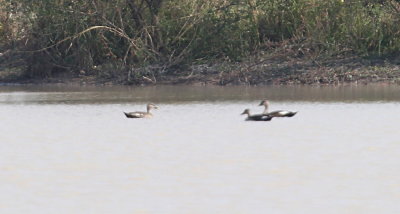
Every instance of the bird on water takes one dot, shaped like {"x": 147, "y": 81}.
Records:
{"x": 255, "y": 117}
{"x": 279, "y": 113}
{"x": 142, "y": 114}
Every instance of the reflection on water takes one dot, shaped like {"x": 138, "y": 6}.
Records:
{"x": 173, "y": 94}
{"x": 73, "y": 151}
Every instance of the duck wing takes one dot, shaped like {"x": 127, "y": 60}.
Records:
{"x": 281, "y": 113}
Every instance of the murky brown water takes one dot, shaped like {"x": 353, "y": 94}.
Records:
{"x": 71, "y": 150}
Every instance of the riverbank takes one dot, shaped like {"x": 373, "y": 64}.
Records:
{"x": 201, "y": 42}
{"x": 267, "y": 69}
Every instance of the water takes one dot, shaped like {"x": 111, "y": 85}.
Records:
{"x": 71, "y": 150}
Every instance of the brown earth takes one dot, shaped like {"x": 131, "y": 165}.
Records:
{"x": 262, "y": 70}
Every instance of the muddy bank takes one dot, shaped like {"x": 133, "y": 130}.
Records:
{"x": 278, "y": 69}
{"x": 281, "y": 70}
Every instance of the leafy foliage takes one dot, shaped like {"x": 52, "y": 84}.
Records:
{"x": 73, "y": 35}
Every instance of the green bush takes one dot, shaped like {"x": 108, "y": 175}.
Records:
{"x": 82, "y": 34}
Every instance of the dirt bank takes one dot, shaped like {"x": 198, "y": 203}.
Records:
{"x": 262, "y": 70}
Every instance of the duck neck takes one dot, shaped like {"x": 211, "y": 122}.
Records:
{"x": 265, "y": 109}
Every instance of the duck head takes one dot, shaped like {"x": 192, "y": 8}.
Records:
{"x": 246, "y": 111}
{"x": 264, "y": 103}
{"x": 151, "y": 106}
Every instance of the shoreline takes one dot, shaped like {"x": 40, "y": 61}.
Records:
{"x": 273, "y": 69}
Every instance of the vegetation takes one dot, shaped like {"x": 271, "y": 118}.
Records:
{"x": 126, "y": 38}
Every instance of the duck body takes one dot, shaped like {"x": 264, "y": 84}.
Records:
{"x": 142, "y": 114}
{"x": 279, "y": 113}
{"x": 256, "y": 117}
{"x": 138, "y": 114}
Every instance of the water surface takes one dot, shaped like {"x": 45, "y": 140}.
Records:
{"x": 71, "y": 150}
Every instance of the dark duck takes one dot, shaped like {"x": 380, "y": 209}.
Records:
{"x": 255, "y": 117}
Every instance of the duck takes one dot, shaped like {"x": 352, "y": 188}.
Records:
{"x": 141, "y": 114}
{"x": 256, "y": 117}
{"x": 279, "y": 113}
